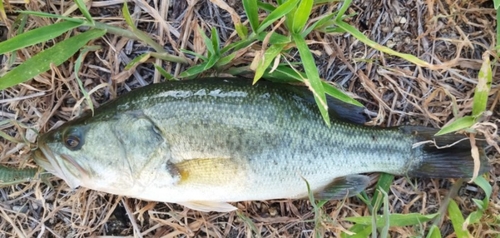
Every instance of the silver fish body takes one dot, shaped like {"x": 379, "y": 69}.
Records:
{"x": 204, "y": 143}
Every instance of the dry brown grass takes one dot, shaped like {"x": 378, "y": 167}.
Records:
{"x": 439, "y": 31}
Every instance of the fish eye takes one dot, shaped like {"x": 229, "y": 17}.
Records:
{"x": 73, "y": 140}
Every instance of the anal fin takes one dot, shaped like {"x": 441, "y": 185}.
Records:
{"x": 343, "y": 187}
{"x": 206, "y": 206}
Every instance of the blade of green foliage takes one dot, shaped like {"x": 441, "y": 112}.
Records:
{"x": 36, "y": 36}
{"x": 474, "y": 217}
{"x": 85, "y": 12}
{"x": 202, "y": 57}
{"x": 225, "y": 60}
{"x": 459, "y": 124}
{"x": 457, "y": 220}
{"x": 317, "y": 24}
{"x": 50, "y": 15}
{"x": 215, "y": 41}
{"x": 164, "y": 73}
{"x": 288, "y": 75}
{"x": 434, "y": 232}
{"x": 41, "y": 62}
{"x": 241, "y": 30}
{"x": 275, "y": 38}
{"x": 278, "y": 13}
{"x": 269, "y": 56}
{"x": 496, "y": 4}
{"x": 360, "y": 231}
{"x": 384, "y": 233}
{"x": 395, "y": 220}
{"x": 483, "y": 183}
{"x": 208, "y": 42}
{"x": 137, "y": 60}
{"x": 128, "y": 17}
{"x": 383, "y": 185}
{"x": 361, "y": 37}
{"x": 78, "y": 64}
{"x": 266, "y": 6}
{"x": 312, "y": 81}
{"x": 252, "y": 12}
{"x": 342, "y": 10}
{"x": 497, "y": 47}
{"x": 2, "y": 11}
{"x": 211, "y": 62}
{"x": 483, "y": 86}
{"x": 238, "y": 45}
{"x": 301, "y": 15}
{"x": 194, "y": 70}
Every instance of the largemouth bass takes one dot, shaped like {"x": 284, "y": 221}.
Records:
{"x": 207, "y": 142}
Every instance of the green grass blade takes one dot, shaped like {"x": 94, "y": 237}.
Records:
{"x": 252, "y": 11}
{"x": 266, "y": 6}
{"x": 384, "y": 233}
{"x": 225, "y": 60}
{"x": 208, "y": 42}
{"x": 269, "y": 56}
{"x": 483, "y": 86}
{"x": 215, "y": 41}
{"x": 343, "y": 9}
{"x": 238, "y": 45}
{"x": 312, "y": 81}
{"x": 193, "y": 71}
{"x": 319, "y": 23}
{"x": 361, "y": 37}
{"x": 78, "y": 64}
{"x": 457, "y": 220}
{"x": 459, "y": 124}
{"x": 50, "y": 15}
{"x": 41, "y": 62}
{"x": 137, "y": 60}
{"x": 128, "y": 17}
{"x": 85, "y": 12}
{"x": 202, "y": 57}
{"x": 241, "y": 30}
{"x": 211, "y": 62}
{"x": 360, "y": 231}
{"x": 275, "y": 38}
{"x": 483, "y": 183}
{"x": 288, "y": 75}
{"x": 164, "y": 73}
{"x": 434, "y": 232}
{"x": 278, "y": 13}
{"x": 36, "y": 36}
{"x": 301, "y": 15}
{"x": 395, "y": 220}
{"x": 383, "y": 185}
{"x": 3, "y": 16}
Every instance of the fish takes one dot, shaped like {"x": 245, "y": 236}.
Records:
{"x": 207, "y": 143}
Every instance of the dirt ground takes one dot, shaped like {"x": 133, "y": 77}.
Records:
{"x": 396, "y": 91}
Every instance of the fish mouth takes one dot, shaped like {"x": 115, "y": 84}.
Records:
{"x": 63, "y": 166}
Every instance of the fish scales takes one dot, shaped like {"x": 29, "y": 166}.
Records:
{"x": 205, "y": 143}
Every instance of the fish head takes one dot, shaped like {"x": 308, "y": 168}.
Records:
{"x": 111, "y": 153}
{"x": 85, "y": 152}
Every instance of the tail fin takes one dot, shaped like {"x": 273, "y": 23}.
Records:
{"x": 446, "y": 156}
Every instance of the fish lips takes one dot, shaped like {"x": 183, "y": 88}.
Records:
{"x": 62, "y": 165}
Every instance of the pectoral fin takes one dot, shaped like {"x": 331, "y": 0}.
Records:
{"x": 206, "y": 206}
{"x": 343, "y": 187}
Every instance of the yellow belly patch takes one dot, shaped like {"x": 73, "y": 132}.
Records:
{"x": 209, "y": 171}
